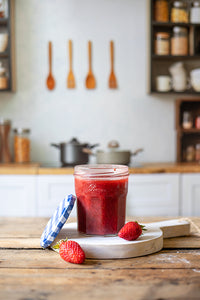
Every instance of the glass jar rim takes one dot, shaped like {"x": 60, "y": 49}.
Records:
{"x": 101, "y": 171}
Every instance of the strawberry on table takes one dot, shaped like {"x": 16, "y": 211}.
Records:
{"x": 71, "y": 251}
{"x": 131, "y": 231}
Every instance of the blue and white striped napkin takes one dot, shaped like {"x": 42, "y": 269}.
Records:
{"x": 57, "y": 221}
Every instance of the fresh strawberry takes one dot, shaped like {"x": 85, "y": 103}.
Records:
{"x": 71, "y": 252}
{"x": 131, "y": 231}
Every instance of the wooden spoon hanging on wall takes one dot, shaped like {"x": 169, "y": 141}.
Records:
{"x": 70, "y": 79}
{"x": 90, "y": 79}
{"x": 50, "y": 78}
{"x": 112, "y": 78}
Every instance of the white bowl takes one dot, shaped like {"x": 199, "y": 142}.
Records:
{"x": 195, "y": 73}
{"x": 195, "y": 82}
{"x": 3, "y": 42}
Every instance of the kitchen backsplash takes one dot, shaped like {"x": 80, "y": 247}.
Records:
{"x": 126, "y": 114}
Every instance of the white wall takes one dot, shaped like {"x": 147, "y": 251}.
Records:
{"x": 128, "y": 114}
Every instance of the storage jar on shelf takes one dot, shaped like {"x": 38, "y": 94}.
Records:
{"x": 195, "y": 12}
{"x": 3, "y": 78}
{"x": 162, "y": 43}
{"x": 179, "y": 12}
{"x": 187, "y": 120}
{"x": 21, "y": 145}
{"x": 179, "y": 41}
{"x": 161, "y": 11}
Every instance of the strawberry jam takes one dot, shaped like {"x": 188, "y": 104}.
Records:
{"x": 101, "y": 192}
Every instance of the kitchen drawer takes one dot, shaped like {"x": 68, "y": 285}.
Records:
{"x": 18, "y": 195}
{"x": 51, "y": 189}
{"x": 190, "y": 195}
{"x": 153, "y": 195}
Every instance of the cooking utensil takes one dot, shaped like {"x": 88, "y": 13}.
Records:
{"x": 50, "y": 78}
{"x": 70, "y": 78}
{"x": 73, "y": 152}
{"x": 112, "y": 78}
{"x": 113, "y": 156}
{"x": 108, "y": 247}
{"x": 90, "y": 79}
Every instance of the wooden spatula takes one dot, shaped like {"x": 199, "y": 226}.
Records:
{"x": 90, "y": 79}
{"x": 70, "y": 79}
{"x": 112, "y": 78}
{"x": 50, "y": 78}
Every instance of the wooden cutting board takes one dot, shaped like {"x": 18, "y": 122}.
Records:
{"x": 112, "y": 247}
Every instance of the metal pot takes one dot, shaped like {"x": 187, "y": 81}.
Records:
{"x": 114, "y": 156}
{"x": 73, "y": 152}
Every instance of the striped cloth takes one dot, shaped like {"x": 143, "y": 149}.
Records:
{"x": 57, "y": 221}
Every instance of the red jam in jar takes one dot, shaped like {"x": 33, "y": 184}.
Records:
{"x": 101, "y": 192}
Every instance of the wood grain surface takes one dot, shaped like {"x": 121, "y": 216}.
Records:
{"x": 146, "y": 168}
{"x": 29, "y": 272}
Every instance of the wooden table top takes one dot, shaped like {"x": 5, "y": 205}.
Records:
{"x": 29, "y": 272}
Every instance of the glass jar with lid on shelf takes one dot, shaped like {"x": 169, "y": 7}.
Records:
{"x": 162, "y": 43}
{"x": 161, "y": 11}
{"x": 22, "y": 145}
{"x": 179, "y": 12}
{"x": 179, "y": 41}
{"x": 195, "y": 12}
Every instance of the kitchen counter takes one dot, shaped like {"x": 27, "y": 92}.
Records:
{"x": 29, "y": 272}
{"x": 146, "y": 168}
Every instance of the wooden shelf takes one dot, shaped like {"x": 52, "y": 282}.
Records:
{"x": 159, "y": 64}
{"x": 188, "y": 131}
{"x": 172, "y": 24}
{"x": 174, "y": 57}
{"x": 4, "y": 54}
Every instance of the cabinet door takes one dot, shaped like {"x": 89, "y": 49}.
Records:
{"x": 190, "y": 195}
{"x": 153, "y": 195}
{"x": 17, "y": 195}
{"x": 51, "y": 190}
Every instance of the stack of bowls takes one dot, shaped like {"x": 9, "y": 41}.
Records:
{"x": 195, "y": 79}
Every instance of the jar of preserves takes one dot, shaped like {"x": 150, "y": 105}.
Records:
{"x": 197, "y": 122}
{"x": 161, "y": 11}
{"x": 101, "y": 192}
{"x": 179, "y": 41}
{"x": 179, "y": 12}
{"x": 21, "y": 145}
{"x": 195, "y": 12}
{"x": 162, "y": 43}
{"x": 3, "y": 78}
{"x": 5, "y": 127}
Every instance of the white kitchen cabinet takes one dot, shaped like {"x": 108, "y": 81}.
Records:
{"x": 153, "y": 195}
{"x": 51, "y": 189}
{"x": 190, "y": 195}
{"x": 17, "y": 195}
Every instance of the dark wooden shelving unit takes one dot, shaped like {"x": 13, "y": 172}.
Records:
{"x": 159, "y": 64}
{"x": 186, "y": 137}
{"x": 8, "y": 57}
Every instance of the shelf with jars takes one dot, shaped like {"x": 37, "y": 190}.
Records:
{"x": 188, "y": 130}
{"x": 175, "y": 38}
{"x": 7, "y": 59}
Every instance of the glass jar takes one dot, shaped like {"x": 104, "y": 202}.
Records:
{"x": 187, "y": 120}
{"x": 190, "y": 154}
{"x": 5, "y": 126}
{"x": 179, "y": 41}
{"x": 21, "y": 145}
{"x": 197, "y": 122}
{"x": 101, "y": 192}
{"x": 197, "y": 153}
{"x": 179, "y": 12}
{"x": 195, "y": 12}
{"x": 161, "y": 11}
{"x": 3, "y": 78}
{"x": 3, "y": 6}
{"x": 162, "y": 43}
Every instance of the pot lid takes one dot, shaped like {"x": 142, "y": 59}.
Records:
{"x": 57, "y": 221}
